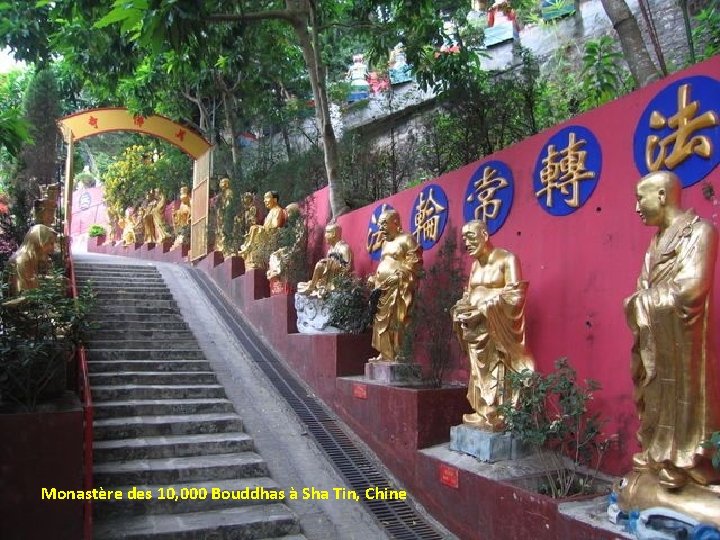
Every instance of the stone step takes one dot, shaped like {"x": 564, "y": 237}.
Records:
{"x": 154, "y": 407}
{"x": 127, "y": 427}
{"x": 154, "y": 377}
{"x": 145, "y": 391}
{"x": 112, "y": 266}
{"x": 125, "y": 295}
{"x": 115, "y": 283}
{"x": 184, "y": 469}
{"x": 99, "y": 274}
{"x": 142, "y": 323}
{"x": 202, "y": 444}
{"x": 122, "y": 303}
{"x": 114, "y": 366}
{"x": 192, "y": 497}
{"x": 141, "y": 333}
{"x": 242, "y": 523}
{"x": 107, "y": 309}
{"x": 147, "y": 344}
{"x": 131, "y": 320}
{"x": 99, "y": 353}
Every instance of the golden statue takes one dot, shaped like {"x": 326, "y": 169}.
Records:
{"x": 490, "y": 325}
{"x": 128, "y": 224}
{"x": 260, "y": 239}
{"x": 32, "y": 259}
{"x": 222, "y": 204}
{"x": 148, "y": 219}
{"x": 394, "y": 282}
{"x": 114, "y": 218}
{"x": 158, "y": 213}
{"x": 674, "y": 367}
{"x": 181, "y": 217}
{"x": 280, "y": 264}
{"x": 337, "y": 262}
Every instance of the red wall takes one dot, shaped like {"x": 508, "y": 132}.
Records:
{"x": 580, "y": 267}
{"x": 96, "y": 213}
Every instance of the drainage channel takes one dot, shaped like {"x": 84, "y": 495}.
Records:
{"x": 397, "y": 517}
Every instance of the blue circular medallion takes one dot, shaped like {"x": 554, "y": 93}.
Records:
{"x": 679, "y": 130}
{"x": 85, "y": 200}
{"x": 489, "y": 195}
{"x": 429, "y": 216}
{"x": 567, "y": 170}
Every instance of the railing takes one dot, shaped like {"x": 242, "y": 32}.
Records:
{"x": 84, "y": 388}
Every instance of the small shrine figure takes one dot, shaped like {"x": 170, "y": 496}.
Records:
{"x": 337, "y": 262}
{"x": 398, "y": 68}
{"x": 32, "y": 259}
{"x": 158, "y": 213}
{"x": 260, "y": 239}
{"x": 489, "y": 322}
{"x": 394, "y": 286}
{"x": 674, "y": 365}
{"x": 128, "y": 224}
{"x": 222, "y": 206}
{"x": 357, "y": 75}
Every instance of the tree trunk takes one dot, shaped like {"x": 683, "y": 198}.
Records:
{"x": 636, "y": 54}
{"x": 311, "y": 53}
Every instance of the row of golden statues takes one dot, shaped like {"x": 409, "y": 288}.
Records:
{"x": 673, "y": 367}
{"x": 147, "y": 220}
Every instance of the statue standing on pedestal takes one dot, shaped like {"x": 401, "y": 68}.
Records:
{"x": 259, "y": 240}
{"x": 490, "y": 325}
{"x": 181, "y": 217}
{"x": 394, "y": 286}
{"x": 128, "y": 224}
{"x": 148, "y": 219}
{"x": 674, "y": 367}
{"x": 222, "y": 205}
{"x": 32, "y": 259}
{"x": 283, "y": 262}
{"x": 44, "y": 208}
{"x": 158, "y": 212}
{"x": 337, "y": 262}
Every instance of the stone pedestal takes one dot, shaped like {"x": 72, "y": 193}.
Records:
{"x": 313, "y": 315}
{"x": 485, "y": 445}
{"x": 393, "y": 372}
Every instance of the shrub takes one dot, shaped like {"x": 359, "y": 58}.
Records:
{"x": 96, "y": 230}
{"x": 552, "y": 414}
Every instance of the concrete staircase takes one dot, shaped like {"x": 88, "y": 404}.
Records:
{"x": 163, "y": 424}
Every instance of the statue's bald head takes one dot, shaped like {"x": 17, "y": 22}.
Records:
{"x": 665, "y": 182}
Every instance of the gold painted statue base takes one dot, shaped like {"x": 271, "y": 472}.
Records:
{"x": 640, "y": 490}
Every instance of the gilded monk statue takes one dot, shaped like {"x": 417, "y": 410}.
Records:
{"x": 674, "y": 368}
{"x": 394, "y": 283}
{"x": 32, "y": 259}
{"x": 222, "y": 205}
{"x": 337, "y": 262}
{"x": 259, "y": 240}
{"x": 490, "y": 324}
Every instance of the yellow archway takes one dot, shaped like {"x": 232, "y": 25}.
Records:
{"x": 91, "y": 122}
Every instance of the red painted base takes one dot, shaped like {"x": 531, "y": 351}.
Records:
{"x": 41, "y": 450}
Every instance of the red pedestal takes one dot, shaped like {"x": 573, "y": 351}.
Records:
{"x": 41, "y": 450}
{"x": 397, "y": 421}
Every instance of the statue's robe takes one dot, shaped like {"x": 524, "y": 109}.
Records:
{"x": 673, "y": 365}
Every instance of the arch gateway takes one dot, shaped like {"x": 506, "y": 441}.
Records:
{"x": 84, "y": 124}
